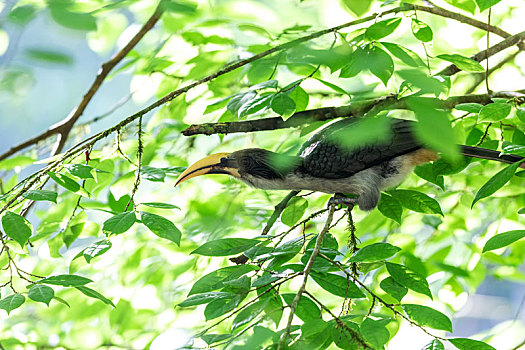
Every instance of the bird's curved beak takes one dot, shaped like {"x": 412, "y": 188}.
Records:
{"x": 213, "y": 164}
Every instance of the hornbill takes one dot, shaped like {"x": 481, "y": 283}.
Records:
{"x": 326, "y": 164}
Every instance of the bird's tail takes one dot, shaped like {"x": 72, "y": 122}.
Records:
{"x": 484, "y": 153}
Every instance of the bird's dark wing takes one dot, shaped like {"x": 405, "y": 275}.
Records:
{"x": 326, "y": 156}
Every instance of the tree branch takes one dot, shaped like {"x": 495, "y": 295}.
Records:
{"x": 277, "y": 212}
{"x": 63, "y": 128}
{"x": 306, "y": 273}
{"x": 484, "y": 54}
{"x": 356, "y": 109}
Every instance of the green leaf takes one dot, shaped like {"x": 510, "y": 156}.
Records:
{"x": 469, "y": 107}
{"x": 496, "y": 182}
{"x": 255, "y": 105}
{"x": 179, "y": 7}
{"x": 68, "y": 183}
{"x": 153, "y": 174}
{"x": 283, "y": 105}
{"x": 426, "y": 316}
{"x": 520, "y": 113}
{"x": 17, "y": 227}
{"x": 408, "y": 278}
{"x": 435, "y": 344}
{"x": 300, "y": 97}
{"x": 421, "y": 31}
{"x": 238, "y": 100}
{"x": 383, "y": 28}
{"x": 94, "y": 294}
{"x": 19, "y": 161}
{"x": 358, "y": 8}
{"x": 49, "y": 56}
{"x": 219, "y": 308}
{"x": 40, "y": 293}
{"x": 205, "y": 298}
{"x": 462, "y": 62}
{"x": 374, "y": 332}
{"x": 337, "y": 285}
{"x": 22, "y": 14}
{"x": 159, "y": 205}
{"x": 406, "y": 56}
{"x": 294, "y": 211}
{"x": 494, "y": 112}
{"x": 162, "y": 227}
{"x": 214, "y": 338}
{"x": 268, "y": 84}
{"x": 374, "y": 252}
{"x": 215, "y": 280}
{"x": 247, "y": 314}
{"x": 65, "y": 280}
{"x": 417, "y": 201}
{"x": 357, "y": 62}
{"x": 12, "y": 302}
{"x": 215, "y": 106}
{"x": 119, "y": 223}
{"x": 225, "y": 246}
{"x": 393, "y": 288}
{"x": 96, "y": 249}
{"x": 470, "y": 344}
{"x": 41, "y": 195}
{"x": 485, "y": 4}
{"x": 503, "y": 240}
{"x": 466, "y": 5}
{"x": 72, "y": 20}
{"x": 80, "y": 170}
{"x": 306, "y": 309}
{"x": 380, "y": 64}
{"x": 390, "y": 207}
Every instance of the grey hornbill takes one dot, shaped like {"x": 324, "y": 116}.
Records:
{"x": 325, "y": 164}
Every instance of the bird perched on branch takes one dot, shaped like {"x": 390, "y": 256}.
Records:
{"x": 328, "y": 163}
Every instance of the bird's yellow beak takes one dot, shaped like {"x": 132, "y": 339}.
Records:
{"x": 212, "y": 164}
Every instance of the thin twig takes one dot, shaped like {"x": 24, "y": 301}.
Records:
{"x": 306, "y": 273}
{"x": 277, "y": 211}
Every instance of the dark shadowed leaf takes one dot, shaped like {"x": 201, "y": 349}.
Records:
{"x": 16, "y": 227}
{"x": 162, "y": 227}
{"x": 225, "y": 246}
{"x": 496, "y": 182}
{"x": 426, "y": 316}
{"x": 408, "y": 278}
{"x": 41, "y": 293}
{"x": 503, "y": 239}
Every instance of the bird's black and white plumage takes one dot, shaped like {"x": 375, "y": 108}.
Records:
{"x": 326, "y": 164}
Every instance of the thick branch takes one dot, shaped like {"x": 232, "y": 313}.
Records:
{"x": 63, "y": 128}
{"x": 356, "y": 109}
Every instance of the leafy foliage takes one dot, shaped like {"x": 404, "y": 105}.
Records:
{"x": 242, "y": 259}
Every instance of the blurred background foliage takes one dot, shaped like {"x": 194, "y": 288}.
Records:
{"x": 50, "y": 51}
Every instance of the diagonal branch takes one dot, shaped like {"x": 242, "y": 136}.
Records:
{"x": 63, "y": 128}
{"x": 356, "y": 109}
{"x": 484, "y": 54}
{"x": 306, "y": 273}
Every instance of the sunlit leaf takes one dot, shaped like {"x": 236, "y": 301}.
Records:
{"x": 119, "y": 223}
{"x": 41, "y": 293}
{"x": 17, "y": 227}
{"x": 405, "y": 277}
{"x": 225, "y": 246}
{"x": 503, "y": 239}
{"x": 65, "y": 280}
{"x": 374, "y": 252}
{"x": 383, "y": 28}
{"x": 426, "y": 316}
{"x": 470, "y": 344}
{"x": 496, "y": 182}
{"x": 162, "y": 227}
{"x": 41, "y": 195}
{"x": 462, "y": 62}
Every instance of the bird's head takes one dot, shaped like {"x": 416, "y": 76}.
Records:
{"x": 244, "y": 164}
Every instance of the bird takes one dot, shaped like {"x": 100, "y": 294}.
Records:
{"x": 326, "y": 163}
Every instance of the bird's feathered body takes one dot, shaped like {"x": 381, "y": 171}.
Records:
{"x": 327, "y": 162}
